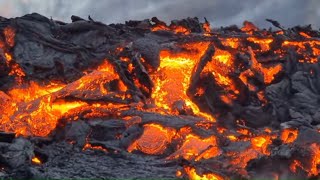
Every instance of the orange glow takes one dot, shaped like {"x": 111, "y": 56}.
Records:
{"x": 241, "y": 159}
{"x": 294, "y": 165}
{"x": 258, "y": 141}
{"x": 268, "y": 73}
{"x": 280, "y": 32}
{"x": 249, "y": 27}
{"x": 41, "y": 106}
{"x": 302, "y": 49}
{"x": 173, "y": 28}
{"x": 220, "y": 67}
{"x": 154, "y": 139}
{"x": 28, "y": 104}
{"x": 191, "y": 172}
{"x": 15, "y": 69}
{"x": 179, "y": 68}
{"x": 160, "y": 28}
{"x": 221, "y": 130}
{"x": 180, "y": 29}
{"x": 206, "y": 27}
{"x": 33, "y": 91}
{"x": 62, "y": 107}
{"x": 315, "y": 161}
{"x": 304, "y": 35}
{"x": 106, "y": 66}
{"x": 8, "y": 57}
{"x": 268, "y": 130}
{"x": 9, "y": 34}
{"x": 89, "y": 146}
{"x": 232, "y": 138}
{"x": 169, "y": 90}
{"x": 200, "y": 91}
{"x": 289, "y": 135}
{"x": 226, "y": 99}
{"x": 2, "y": 44}
{"x": 36, "y": 160}
{"x": 232, "y": 42}
{"x": 264, "y": 43}
{"x": 41, "y": 115}
{"x": 178, "y": 173}
{"x": 243, "y": 131}
{"x": 262, "y": 97}
{"x": 194, "y": 146}
{"x": 261, "y": 143}
{"x": 223, "y": 57}
{"x": 313, "y": 170}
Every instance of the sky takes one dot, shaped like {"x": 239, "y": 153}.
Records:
{"x": 219, "y": 12}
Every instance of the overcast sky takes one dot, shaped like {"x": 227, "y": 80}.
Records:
{"x": 218, "y": 12}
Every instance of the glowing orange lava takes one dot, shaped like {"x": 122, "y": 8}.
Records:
{"x": 36, "y": 160}
{"x": 154, "y": 139}
{"x": 196, "y": 147}
{"x": 208, "y": 176}
{"x": 173, "y": 77}
{"x": 289, "y": 135}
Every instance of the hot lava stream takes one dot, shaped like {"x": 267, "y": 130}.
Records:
{"x": 190, "y": 106}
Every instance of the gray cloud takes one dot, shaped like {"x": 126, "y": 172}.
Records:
{"x": 219, "y": 12}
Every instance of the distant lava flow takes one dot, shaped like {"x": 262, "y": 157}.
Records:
{"x": 209, "y": 103}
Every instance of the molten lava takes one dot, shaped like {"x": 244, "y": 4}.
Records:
{"x": 236, "y": 70}
{"x": 289, "y": 135}
{"x": 195, "y": 147}
{"x": 36, "y": 160}
{"x": 194, "y": 176}
{"x": 154, "y": 139}
{"x": 173, "y": 77}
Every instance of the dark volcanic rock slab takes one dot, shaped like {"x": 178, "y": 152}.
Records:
{"x": 66, "y": 162}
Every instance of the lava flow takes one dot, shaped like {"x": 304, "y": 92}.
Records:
{"x": 212, "y": 102}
